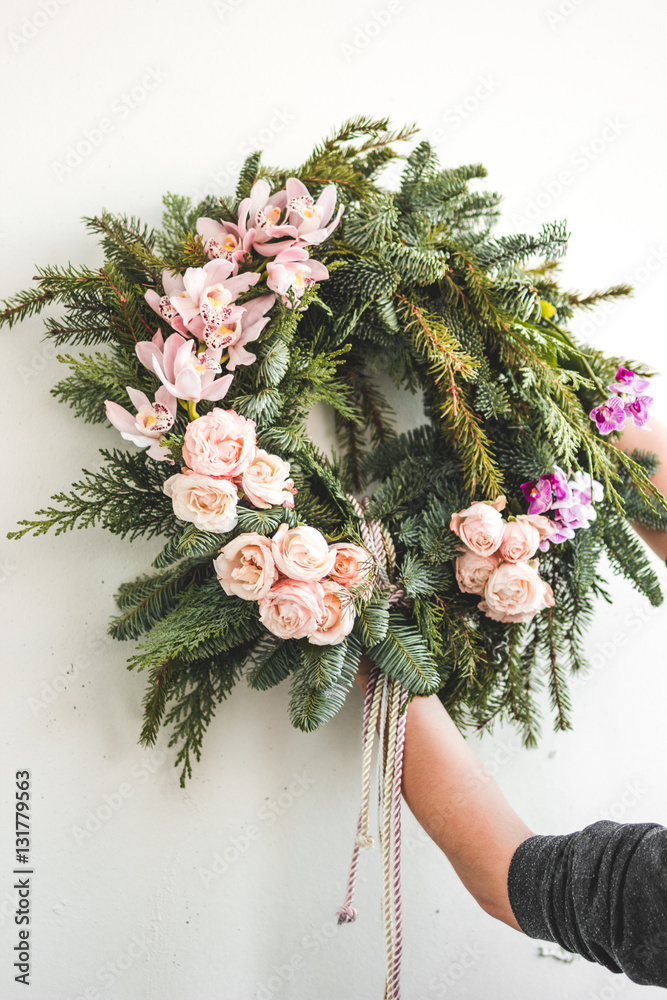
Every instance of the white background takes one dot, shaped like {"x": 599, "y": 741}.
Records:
{"x": 123, "y": 911}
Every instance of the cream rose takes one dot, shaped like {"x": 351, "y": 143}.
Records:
{"x": 473, "y": 570}
{"x": 266, "y": 481}
{"x": 221, "y": 443}
{"x": 210, "y": 504}
{"x": 480, "y": 526}
{"x": 519, "y": 542}
{"x": 352, "y": 566}
{"x": 292, "y": 609}
{"x": 302, "y": 553}
{"x": 515, "y": 592}
{"x": 338, "y": 616}
{"x": 245, "y": 566}
{"x": 544, "y": 526}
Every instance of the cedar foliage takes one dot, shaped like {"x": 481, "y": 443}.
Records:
{"x": 419, "y": 289}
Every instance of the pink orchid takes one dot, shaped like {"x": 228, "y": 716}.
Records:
{"x": 150, "y": 423}
{"x": 310, "y": 217}
{"x": 173, "y": 285}
{"x": 242, "y": 326}
{"x": 185, "y": 373}
{"x": 263, "y": 210}
{"x": 289, "y": 275}
{"x": 225, "y": 240}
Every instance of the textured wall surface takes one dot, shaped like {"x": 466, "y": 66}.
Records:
{"x": 228, "y": 889}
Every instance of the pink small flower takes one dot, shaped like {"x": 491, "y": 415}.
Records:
{"x": 225, "y": 241}
{"x": 242, "y": 326}
{"x": 311, "y": 218}
{"x": 302, "y": 553}
{"x": 208, "y": 503}
{"x": 628, "y": 383}
{"x": 151, "y": 423}
{"x": 221, "y": 443}
{"x": 289, "y": 275}
{"x": 515, "y": 592}
{"x": 293, "y": 609}
{"x": 261, "y": 214}
{"x": 519, "y": 542}
{"x": 266, "y": 482}
{"x": 338, "y": 618}
{"x": 638, "y": 410}
{"x": 185, "y": 373}
{"x": 473, "y": 570}
{"x": 245, "y": 566}
{"x": 480, "y": 526}
{"x": 538, "y": 494}
{"x": 609, "y": 416}
{"x": 352, "y": 567}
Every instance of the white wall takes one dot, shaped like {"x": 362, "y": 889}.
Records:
{"x": 512, "y": 84}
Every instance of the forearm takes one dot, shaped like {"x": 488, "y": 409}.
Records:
{"x": 654, "y": 440}
{"x": 458, "y": 803}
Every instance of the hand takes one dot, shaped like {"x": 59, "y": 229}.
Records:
{"x": 364, "y": 670}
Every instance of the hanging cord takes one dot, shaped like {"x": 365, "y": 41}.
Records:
{"x": 384, "y": 705}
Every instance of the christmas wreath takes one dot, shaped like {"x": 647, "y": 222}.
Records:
{"x": 471, "y": 567}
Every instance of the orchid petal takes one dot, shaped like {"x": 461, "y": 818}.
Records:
{"x": 218, "y": 389}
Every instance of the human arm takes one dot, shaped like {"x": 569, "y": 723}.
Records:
{"x": 650, "y": 438}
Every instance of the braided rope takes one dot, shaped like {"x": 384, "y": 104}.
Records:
{"x": 396, "y": 843}
{"x": 393, "y": 707}
{"x": 347, "y": 912}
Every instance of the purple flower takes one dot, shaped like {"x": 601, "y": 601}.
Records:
{"x": 610, "y": 416}
{"x": 538, "y": 494}
{"x": 638, "y": 410}
{"x": 628, "y": 382}
{"x": 560, "y": 486}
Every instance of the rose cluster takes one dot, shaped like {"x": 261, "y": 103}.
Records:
{"x": 571, "y": 500}
{"x": 200, "y": 305}
{"x": 223, "y": 463}
{"x": 627, "y": 400}
{"x": 497, "y": 562}
{"x": 303, "y": 585}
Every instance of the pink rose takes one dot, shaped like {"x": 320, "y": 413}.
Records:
{"x": 338, "y": 616}
{"x": 293, "y": 609}
{"x": 302, "y": 553}
{"x": 210, "y": 504}
{"x": 519, "y": 542}
{"x": 245, "y": 566}
{"x": 221, "y": 443}
{"x": 266, "y": 481}
{"x": 473, "y": 570}
{"x": 544, "y": 526}
{"x": 480, "y": 526}
{"x": 352, "y": 567}
{"x": 515, "y": 592}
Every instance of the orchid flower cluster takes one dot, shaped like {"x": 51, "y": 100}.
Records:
{"x": 210, "y": 327}
{"x": 571, "y": 499}
{"x": 304, "y": 586}
{"x": 497, "y": 561}
{"x": 627, "y": 400}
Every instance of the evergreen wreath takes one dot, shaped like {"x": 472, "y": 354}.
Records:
{"x": 271, "y": 569}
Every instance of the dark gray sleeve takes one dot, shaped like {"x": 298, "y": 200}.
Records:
{"x": 600, "y": 892}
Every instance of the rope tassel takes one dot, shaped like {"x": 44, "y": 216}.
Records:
{"x": 384, "y": 707}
